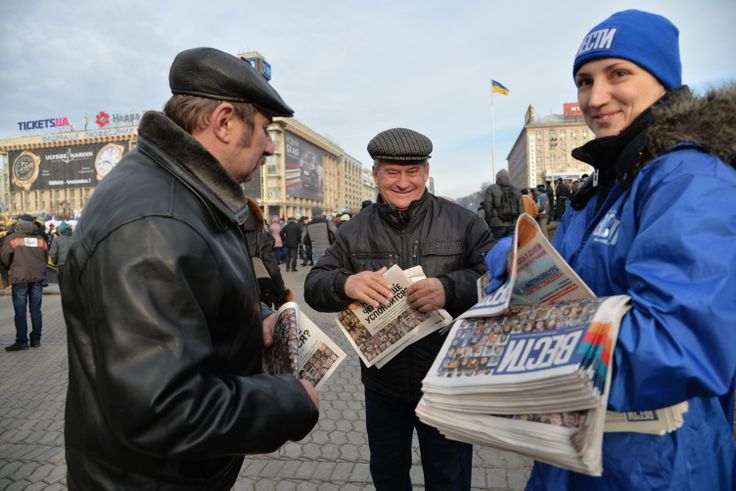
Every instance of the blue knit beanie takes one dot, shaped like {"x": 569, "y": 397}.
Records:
{"x": 649, "y": 40}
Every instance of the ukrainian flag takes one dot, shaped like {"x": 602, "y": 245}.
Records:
{"x": 499, "y": 88}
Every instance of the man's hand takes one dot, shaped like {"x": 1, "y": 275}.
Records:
{"x": 427, "y": 294}
{"x": 369, "y": 287}
{"x": 268, "y": 324}
{"x": 311, "y": 391}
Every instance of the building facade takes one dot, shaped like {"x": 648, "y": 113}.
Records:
{"x": 542, "y": 151}
{"x": 306, "y": 170}
{"x": 55, "y": 174}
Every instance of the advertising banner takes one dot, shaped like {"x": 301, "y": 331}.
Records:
{"x": 71, "y": 166}
{"x": 304, "y": 168}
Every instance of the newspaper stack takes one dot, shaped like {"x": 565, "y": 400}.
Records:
{"x": 379, "y": 334}
{"x": 301, "y": 348}
{"x": 528, "y": 368}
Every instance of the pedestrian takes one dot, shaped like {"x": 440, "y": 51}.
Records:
{"x": 551, "y": 199}
{"x": 60, "y": 248}
{"x": 562, "y": 198}
{"x": 305, "y": 252}
{"x": 166, "y": 331}
{"x": 291, "y": 238}
{"x": 275, "y": 230}
{"x": 25, "y": 254}
{"x": 543, "y": 208}
{"x": 410, "y": 227}
{"x": 655, "y": 221}
{"x": 530, "y": 207}
{"x": 503, "y": 205}
{"x": 319, "y": 234}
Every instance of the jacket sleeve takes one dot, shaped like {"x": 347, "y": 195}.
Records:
{"x": 155, "y": 378}
{"x": 324, "y": 287}
{"x": 462, "y": 288}
{"x": 678, "y": 340}
{"x": 7, "y": 252}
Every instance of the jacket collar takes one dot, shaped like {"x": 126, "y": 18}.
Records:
{"x": 401, "y": 219}
{"x": 180, "y": 154}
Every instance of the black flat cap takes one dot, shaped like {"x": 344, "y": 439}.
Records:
{"x": 400, "y": 144}
{"x": 214, "y": 74}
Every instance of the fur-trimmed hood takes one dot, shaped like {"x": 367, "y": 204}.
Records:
{"x": 708, "y": 121}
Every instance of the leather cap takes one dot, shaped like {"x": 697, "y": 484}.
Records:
{"x": 214, "y": 74}
{"x": 400, "y": 145}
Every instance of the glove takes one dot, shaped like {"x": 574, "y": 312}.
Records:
{"x": 496, "y": 261}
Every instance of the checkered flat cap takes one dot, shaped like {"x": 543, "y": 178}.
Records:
{"x": 400, "y": 144}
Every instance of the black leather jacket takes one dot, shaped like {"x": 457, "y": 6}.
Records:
{"x": 448, "y": 241}
{"x": 164, "y": 328}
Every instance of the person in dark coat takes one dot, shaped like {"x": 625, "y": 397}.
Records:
{"x": 24, "y": 254}
{"x": 291, "y": 237}
{"x": 60, "y": 248}
{"x": 166, "y": 330}
{"x": 408, "y": 226}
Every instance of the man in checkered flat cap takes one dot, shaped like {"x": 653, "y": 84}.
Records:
{"x": 410, "y": 227}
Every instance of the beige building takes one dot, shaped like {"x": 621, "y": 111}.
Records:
{"x": 543, "y": 149}
{"x": 370, "y": 190}
{"x": 56, "y": 173}
{"x": 306, "y": 170}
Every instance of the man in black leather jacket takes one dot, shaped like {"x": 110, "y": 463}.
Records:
{"x": 408, "y": 226}
{"x": 165, "y": 329}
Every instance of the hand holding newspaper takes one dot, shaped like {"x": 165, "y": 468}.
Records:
{"x": 527, "y": 368}
{"x": 379, "y": 334}
{"x": 301, "y": 348}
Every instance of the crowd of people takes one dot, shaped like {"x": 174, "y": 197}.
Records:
{"x": 166, "y": 329}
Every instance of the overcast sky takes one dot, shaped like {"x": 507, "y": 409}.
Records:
{"x": 349, "y": 69}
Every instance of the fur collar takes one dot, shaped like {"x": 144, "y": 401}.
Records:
{"x": 708, "y": 122}
{"x": 193, "y": 157}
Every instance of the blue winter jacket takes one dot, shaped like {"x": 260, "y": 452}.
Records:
{"x": 668, "y": 241}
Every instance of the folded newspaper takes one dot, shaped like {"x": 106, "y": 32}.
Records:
{"x": 379, "y": 334}
{"x": 527, "y": 369}
{"x": 301, "y": 348}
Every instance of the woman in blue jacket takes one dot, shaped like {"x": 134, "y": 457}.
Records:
{"x": 656, "y": 221}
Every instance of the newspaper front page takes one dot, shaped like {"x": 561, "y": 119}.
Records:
{"x": 379, "y": 334}
{"x": 301, "y": 348}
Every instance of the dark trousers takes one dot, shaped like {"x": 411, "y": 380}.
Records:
{"x": 390, "y": 422}
{"x": 291, "y": 260}
{"x": 25, "y": 295}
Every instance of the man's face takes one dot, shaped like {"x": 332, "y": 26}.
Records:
{"x": 400, "y": 184}
{"x": 612, "y": 92}
{"x": 244, "y": 156}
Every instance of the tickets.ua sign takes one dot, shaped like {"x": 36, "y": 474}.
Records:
{"x": 40, "y": 124}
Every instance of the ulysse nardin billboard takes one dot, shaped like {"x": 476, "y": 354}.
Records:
{"x": 304, "y": 168}
{"x": 63, "y": 167}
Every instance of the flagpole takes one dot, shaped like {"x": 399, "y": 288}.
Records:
{"x": 493, "y": 140}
